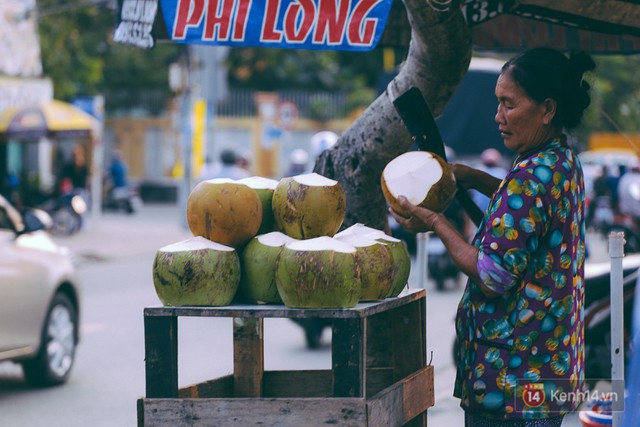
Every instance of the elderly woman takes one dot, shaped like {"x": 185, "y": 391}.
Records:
{"x": 520, "y": 320}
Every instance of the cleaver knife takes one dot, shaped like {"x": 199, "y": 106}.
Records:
{"x": 419, "y": 121}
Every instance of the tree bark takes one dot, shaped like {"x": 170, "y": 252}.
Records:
{"x": 437, "y": 60}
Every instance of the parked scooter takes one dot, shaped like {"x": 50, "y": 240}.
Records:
{"x": 124, "y": 199}
{"x": 67, "y": 212}
{"x": 597, "y": 314}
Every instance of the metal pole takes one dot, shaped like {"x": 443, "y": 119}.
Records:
{"x": 616, "y": 253}
{"x": 421, "y": 258}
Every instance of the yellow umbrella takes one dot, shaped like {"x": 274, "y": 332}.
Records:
{"x": 53, "y": 119}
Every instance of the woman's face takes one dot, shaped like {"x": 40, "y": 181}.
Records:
{"x": 523, "y": 123}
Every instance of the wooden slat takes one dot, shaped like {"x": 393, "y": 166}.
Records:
{"x": 418, "y": 392}
{"x": 248, "y": 357}
{"x": 161, "y": 356}
{"x": 379, "y": 352}
{"x": 348, "y": 357}
{"x": 408, "y": 340}
{"x": 361, "y": 310}
{"x": 403, "y": 401}
{"x": 346, "y": 412}
{"x": 220, "y": 387}
{"x": 310, "y": 383}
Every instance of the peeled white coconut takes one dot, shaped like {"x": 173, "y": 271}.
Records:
{"x": 318, "y": 273}
{"x": 308, "y": 206}
{"x": 357, "y": 229}
{"x": 424, "y": 178}
{"x": 196, "y": 272}
{"x": 224, "y": 211}
{"x": 377, "y": 269}
{"x": 264, "y": 187}
{"x": 258, "y": 262}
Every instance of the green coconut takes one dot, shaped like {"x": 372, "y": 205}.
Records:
{"x": 258, "y": 262}
{"x": 319, "y": 273}
{"x": 309, "y": 206}
{"x": 196, "y": 272}
{"x": 377, "y": 268}
{"x": 424, "y": 178}
{"x": 398, "y": 248}
{"x": 224, "y": 211}
{"x": 401, "y": 259}
{"x": 264, "y": 187}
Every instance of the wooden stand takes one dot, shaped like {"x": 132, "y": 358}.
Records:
{"x": 379, "y": 375}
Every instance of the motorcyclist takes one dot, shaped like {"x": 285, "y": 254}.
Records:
{"x": 118, "y": 174}
{"x": 629, "y": 192}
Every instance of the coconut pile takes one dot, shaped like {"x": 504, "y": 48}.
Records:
{"x": 266, "y": 241}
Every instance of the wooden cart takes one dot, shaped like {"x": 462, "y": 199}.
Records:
{"x": 379, "y": 375}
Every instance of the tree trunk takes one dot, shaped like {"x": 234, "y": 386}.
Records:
{"x": 438, "y": 59}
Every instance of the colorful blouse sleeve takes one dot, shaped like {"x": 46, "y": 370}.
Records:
{"x": 512, "y": 231}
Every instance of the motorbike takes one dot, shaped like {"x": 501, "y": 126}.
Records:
{"x": 440, "y": 265}
{"x": 604, "y": 219}
{"x": 597, "y": 314}
{"x": 313, "y": 329}
{"x": 125, "y": 199}
{"x": 67, "y": 212}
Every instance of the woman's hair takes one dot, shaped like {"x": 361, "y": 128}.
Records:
{"x": 547, "y": 73}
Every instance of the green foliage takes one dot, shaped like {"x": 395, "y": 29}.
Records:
{"x": 616, "y": 94}
{"x": 81, "y": 58}
{"x": 276, "y": 69}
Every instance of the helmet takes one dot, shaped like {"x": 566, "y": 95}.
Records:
{"x": 322, "y": 141}
{"x": 491, "y": 157}
{"x": 299, "y": 157}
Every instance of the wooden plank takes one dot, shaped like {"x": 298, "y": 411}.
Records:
{"x": 310, "y": 383}
{"x": 418, "y": 392}
{"x": 348, "y": 345}
{"x": 378, "y": 379}
{"x": 408, "y": 339}
{"x": 379, "y": 352}
{"x": 361, "y": 310}
{"x": 248, "y": 357}
{"x": 161, "y": 356}
{"x": 404, "y": 402}
{"x": 349, "y": 412}
{"x": 219, "y": 387}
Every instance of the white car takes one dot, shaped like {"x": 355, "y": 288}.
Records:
{"x": 39, "y": 298}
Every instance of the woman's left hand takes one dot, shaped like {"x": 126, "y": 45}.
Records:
{"x": 419, "y": 220}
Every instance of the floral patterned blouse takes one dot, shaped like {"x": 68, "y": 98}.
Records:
{"x": 521, "y": 354}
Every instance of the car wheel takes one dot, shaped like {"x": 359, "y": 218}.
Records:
{"x": 55, "y": 358}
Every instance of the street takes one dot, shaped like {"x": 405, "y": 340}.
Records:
{"x": 115, "y": 253}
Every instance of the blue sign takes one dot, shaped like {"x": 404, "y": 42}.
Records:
{"x": 295, "y": 24}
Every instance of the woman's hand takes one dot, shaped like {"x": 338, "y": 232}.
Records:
{"x": 419, "y": 219}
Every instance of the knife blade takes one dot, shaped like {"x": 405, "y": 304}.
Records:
{"x": 419, "y": 121}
